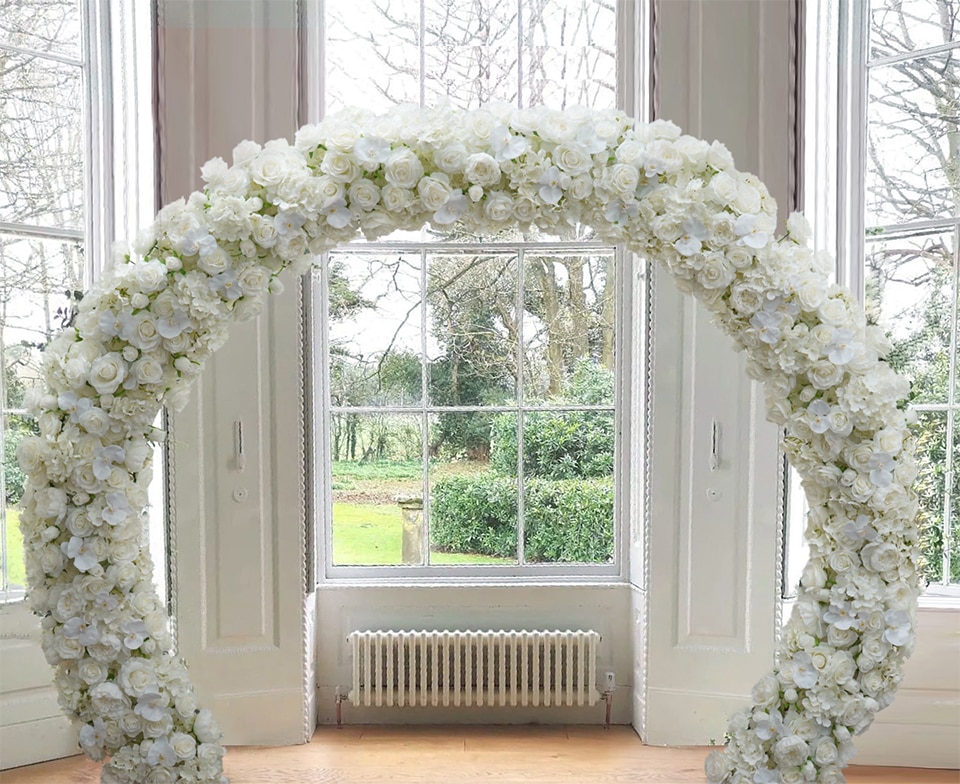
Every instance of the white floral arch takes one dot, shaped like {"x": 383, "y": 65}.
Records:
{"x": 142, "y": 335}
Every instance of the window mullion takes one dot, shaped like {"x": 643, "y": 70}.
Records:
{"x": 424, "y": 415}
{"x": 521, "y": 276}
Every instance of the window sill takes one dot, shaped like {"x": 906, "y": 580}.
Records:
{"x": 474, "y": 581}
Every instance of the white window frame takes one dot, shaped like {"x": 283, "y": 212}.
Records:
{"x": 835, "y": 122}
{"x": 119, "y": 163}
{"x": 633, "y": 88}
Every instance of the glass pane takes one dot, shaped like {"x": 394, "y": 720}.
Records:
{"x": 41, "y": 157}
{"x": 897, "y": 26}
{"x": 470, "y": 52}
{"x": 374, "y": 309}
{"x": 955, "y": 504}
{"x": 472, "y": 329}
{"x": 909, "y": 292}
{"x": 473, "y": 507}
{"x": 377, "y": 478}
{"x": 15, "y": 429}
{"x": 49, "y": 26}
{"x": 39, "y": 281}
{"x": 569, "y": 53}
{"x": 372, "y": 54}
{"x": 568, "y": 329}
{"x": 568, "y": 486}
{"x": 931, "y": 460}
{"x": 911, "y": 118}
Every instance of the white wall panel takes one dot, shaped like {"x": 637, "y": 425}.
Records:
{"x": 722, "y": 74}
{"x": 228, "y": 73}
{"x": 345, "y": 608}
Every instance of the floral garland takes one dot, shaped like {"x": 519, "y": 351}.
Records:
{"x": 142, "y": 335}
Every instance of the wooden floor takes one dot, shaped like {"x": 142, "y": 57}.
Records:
{"x": 464, "y": 755}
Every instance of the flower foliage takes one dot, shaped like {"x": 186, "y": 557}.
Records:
{"x": 143, "y": 333}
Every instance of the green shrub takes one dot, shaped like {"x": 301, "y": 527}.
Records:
{"x": 569, "y": 520}
{"x": 561, "y": 444}
{"x": 556, "y": 445}
{"x": 474, "y": 514}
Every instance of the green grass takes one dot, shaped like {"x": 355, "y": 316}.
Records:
{"x": 16, "y": 573}
{"x": 370, "y": 534}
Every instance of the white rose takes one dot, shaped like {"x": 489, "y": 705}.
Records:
{"x": 270, "y": 167}
{"x": 834, "y": 311}
{"x": 631, "y": 152}
{"x": 723, "y": 188}
{"x": 498, "y": 207}
{"x": 364, "y": 194}
{"x": 747, "y": 200}
{"x": 184, "y": 745}
{"x": 264, "y": 231}
{"x": 92, "y": 672}
{"x": 121, "y": 552}
{"x": 205, "y": 727}
{"x": 253, "y": 280}
{"x": 841, "y": 561}
{"x": 889, "y": 440}
{"x": 823, "y": 374}
{"x": 451, "y": 158}
{"x": 880, "y": 556}
{"x": 580, "y": 187}
{"x": 396, "y": 199}
{"x": 717, "y": 767}
{"x": 719, "y": 157}
{"x": 130, "y": 724}
{"x": 766, "y": 691}
{"x": 715, "y": 273}
{"x": 340, "y": 166}
{"x": 799, "y": 228}
{"x": 572, "y": 158}
{"x": 107, "y": 373}
{"x": 791, "y": 751}
{"x": 31, "y": 453}
{"x": 50, "y": 503}
{"x": 434, "y": 191}
{"x": 150, "y": 276}
{"x": 403, "y": 168}
{"x": 148, "y": 371}
{"x": 482, "y": 169}
{"x": 622, "y": 178}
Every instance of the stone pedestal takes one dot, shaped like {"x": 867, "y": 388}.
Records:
{"x": 411, "y": 507}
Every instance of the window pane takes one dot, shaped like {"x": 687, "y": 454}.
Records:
{"x": 955, "y": 504}
{"x": 909, "y": 291}
{"x": 376, "y": 465}
{"x": 374, "y": 308}
{"x": 569, "y": 53}
{"x": 15, "y": 429}
{"x": 470, "y": 52}
{"x": 48, "y": 26}
{"x": 897, "y": 26}
{"x": 41, "y": 157}
{"x": 372, "y": 54}
{"x": 568, "y": 328}
{"x": 911, "y": 116}
{"x": 931, "y": 459}
{"x": 472, "y": 329}
{"x": 473, "y": 506}
{"x": 38, "y": 281}
{"x": 568, "y": 486}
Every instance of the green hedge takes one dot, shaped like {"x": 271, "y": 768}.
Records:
{"x": 565, "y": 520}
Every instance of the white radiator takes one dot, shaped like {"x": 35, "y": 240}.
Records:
{"x": 474, "y": 668}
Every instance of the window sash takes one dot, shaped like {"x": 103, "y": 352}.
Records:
{"x": 633, "y": 94}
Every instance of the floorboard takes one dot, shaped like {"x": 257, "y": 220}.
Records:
{"x": 465, "y": 755}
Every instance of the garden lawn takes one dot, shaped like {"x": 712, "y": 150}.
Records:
{"x": 13, "y": 547}
{"x": 370, "y": 534}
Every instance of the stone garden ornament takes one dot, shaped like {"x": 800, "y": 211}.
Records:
{"x": 143, "y": 332}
